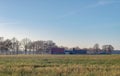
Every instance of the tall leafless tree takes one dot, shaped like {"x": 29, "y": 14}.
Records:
{"x": 96, "y": 48}
{"x": 15, "y": 45}
{"x": 48, "y": 45}
{"x": 108, "y": 48}
{"x": 1, "y": 44}
{"x": 25, "y": 44}
{"x": 7, "y": 45}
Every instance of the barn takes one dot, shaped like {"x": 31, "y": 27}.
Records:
{"x": 57, "y": 51}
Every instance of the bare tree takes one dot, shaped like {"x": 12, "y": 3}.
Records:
{"x": 15, "y": 45}
{"x": 25, "y": 44}
{"x": 42, "y": 46}
{"x": 66, "y": 48}
{"x": 7, "y": 45}
{"x": 1, "y": 39}
{"x": 77, "y": 48}
{"x": 96, "y": 48}
{"x": 32, "y": 46}
{"x": 1, "y": 44}
{"x": 39, "y": 46}
{"x": 108, "y": 48}
{"x": 48, "y": 45}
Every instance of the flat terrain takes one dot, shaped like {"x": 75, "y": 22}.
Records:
{"x": 60, "y": 65}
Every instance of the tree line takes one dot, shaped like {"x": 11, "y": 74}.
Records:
{"x": 14, "y": 46}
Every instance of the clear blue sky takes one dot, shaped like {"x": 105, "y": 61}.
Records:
{"x": 67, "y": 22}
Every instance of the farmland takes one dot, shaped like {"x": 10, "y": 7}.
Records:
{"x": 60, "y": 65}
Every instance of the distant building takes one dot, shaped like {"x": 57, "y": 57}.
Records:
{"x": 68, "y": 52}
{"x": 74, "y": 51}
{"x": 80, "y": 51}
{"x": 57, "y": 51}
{"x": 116, "y": 52}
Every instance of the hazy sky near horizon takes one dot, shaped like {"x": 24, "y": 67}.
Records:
{"x": 67, "y": 22}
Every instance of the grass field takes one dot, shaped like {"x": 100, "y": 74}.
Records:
{"x": 60, "y": 65}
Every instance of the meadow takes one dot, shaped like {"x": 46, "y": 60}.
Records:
{"x": 59, "y": 65}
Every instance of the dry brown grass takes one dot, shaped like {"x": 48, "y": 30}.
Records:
{"x": 60, "y": 65}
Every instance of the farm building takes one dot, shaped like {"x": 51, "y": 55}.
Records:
{"x": 76, "y": 51}
{"x": 80, "y": 51}
{"x": 116, "y": 52}
{"x": 68, "y": 52}
{"x": 57, "y": 51}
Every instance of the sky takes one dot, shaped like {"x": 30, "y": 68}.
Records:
{"x": 67, "y": 22}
